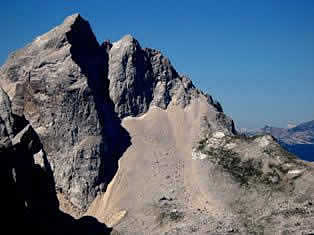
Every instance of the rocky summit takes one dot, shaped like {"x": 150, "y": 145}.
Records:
{"x": 94, "y": 134}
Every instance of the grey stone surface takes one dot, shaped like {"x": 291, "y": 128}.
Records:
{"x": 140, "y": 78}
{"x": 6, "y": 119}
{"x": 52, "y": 82}
{"x": 27, "y": 184}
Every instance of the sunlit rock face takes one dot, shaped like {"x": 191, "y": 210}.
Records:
{"x": 53, "y": 81}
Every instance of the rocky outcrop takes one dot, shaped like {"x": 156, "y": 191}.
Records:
{"x": 140, "y": 78}
{"x": 53, "y": 81}
{"x": 29, "y": 200}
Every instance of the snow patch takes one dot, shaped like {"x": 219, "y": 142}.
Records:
{"x": 218, "y": 135}
{"x": 198, "y": 155}
{"x": 230, "y": 146}
{"x": 39, "y": 41}
{"x": 116, "y": 45}
{"x": 296, "y": 171}
{"x": 39, "y": 159}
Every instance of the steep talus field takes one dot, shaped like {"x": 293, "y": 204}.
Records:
{"x": 133, "y": 144}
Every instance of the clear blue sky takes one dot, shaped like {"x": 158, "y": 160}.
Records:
{"x": 255, "y": 57}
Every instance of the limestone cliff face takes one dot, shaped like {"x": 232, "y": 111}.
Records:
{"x": 140, "y": 78}
{"x": 143, "y": 78}
{"x": 53, "y": 81}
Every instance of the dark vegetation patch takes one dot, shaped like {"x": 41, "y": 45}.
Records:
{"x": 201, "y": 144}
{"x": 243, "y": 171}
{"x": 168, "y": 212}
{"x": 170, "y": 216}
{"x": 246, "y": 138}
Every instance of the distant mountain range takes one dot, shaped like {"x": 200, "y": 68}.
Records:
{"x": 298, "y": 140}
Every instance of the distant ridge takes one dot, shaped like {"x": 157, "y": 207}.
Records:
{"x": 298, "y": 140}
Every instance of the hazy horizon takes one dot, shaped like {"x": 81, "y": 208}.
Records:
{"x": 255, "y": 58}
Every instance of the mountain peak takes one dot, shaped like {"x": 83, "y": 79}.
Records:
{"x": 72, "y": 19}
{"x": 126, "y": 45}
{"x": 128, "y": 38}
{"x": 74, "y": 30}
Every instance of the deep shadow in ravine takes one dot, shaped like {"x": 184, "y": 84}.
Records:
{"x": 93, "y": 61}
